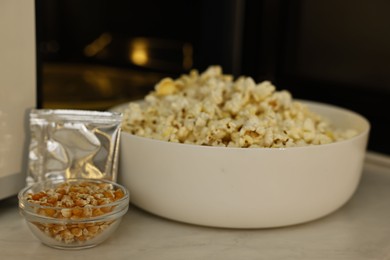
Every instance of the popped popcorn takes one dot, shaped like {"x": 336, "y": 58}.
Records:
{"x": 213, "y": 109}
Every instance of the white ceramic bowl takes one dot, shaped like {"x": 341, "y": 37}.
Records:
{"x": 245, "y": 187}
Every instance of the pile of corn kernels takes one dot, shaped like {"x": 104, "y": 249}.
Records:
{"x": 213, "y": 109}
{"x": 75, "y": 201}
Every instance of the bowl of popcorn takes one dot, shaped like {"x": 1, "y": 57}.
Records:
{"x": 211, "y": 150}
{"x": 73, "y": 213}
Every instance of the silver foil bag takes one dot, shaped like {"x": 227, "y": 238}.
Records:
{"x": 73, "y": 144}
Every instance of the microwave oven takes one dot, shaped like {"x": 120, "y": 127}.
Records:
{"x": 18, "y": 90}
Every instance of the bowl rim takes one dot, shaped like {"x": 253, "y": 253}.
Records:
{"x": 28, "y": 207}
{"x": 364, "y": 132}
{"x": 31, "y": 216}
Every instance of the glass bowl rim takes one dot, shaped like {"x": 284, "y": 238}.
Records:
{"x": 23, "y": 201}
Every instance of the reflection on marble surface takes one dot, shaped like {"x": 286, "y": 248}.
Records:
{"x": 359, "y": 230}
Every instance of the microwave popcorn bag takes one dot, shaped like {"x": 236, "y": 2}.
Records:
{"x": 68, "y": 144}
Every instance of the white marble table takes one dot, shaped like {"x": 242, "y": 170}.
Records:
{"x": 359, "y": 230}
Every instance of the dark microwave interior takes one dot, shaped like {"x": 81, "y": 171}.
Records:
{"x": 101, "y": 53}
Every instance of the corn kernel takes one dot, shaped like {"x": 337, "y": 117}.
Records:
{"x": 77, "y": 202}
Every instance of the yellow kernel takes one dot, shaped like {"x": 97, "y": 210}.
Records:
{"x": 77, "y": 232}
{"x": 58, "y": 228}
{"x": 106, "y": 209}
{"x": 61, "y": 191}
{"x": 66, "y": 234}
{"x": 52, "y": 200}
{"x": 97, "y": 212}
{"x": 77, "y": 212}
{"x": 87, "y": 212}
{"x": 119, "y": 194}
{"x": 38, "y": 196}
{"x": 50, "y": 212}
{"x": 108, "y": 194}
{"x": 67, "y": 213}
{"x": 81, "y": 238}
{"x": 81, "y": 202}
{"x": 93, "y": 229}
{"x": 104, "y": 201}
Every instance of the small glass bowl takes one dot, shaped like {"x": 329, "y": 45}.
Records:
{"x": 62, "y": 226}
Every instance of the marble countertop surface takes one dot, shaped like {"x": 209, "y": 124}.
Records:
{"x": 359, "y": 230}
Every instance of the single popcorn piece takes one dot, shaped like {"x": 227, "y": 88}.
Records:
{"x": 166, "y": 87}
{"x": 213, "y": 109}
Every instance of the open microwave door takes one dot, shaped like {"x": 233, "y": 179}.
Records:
{"x": 18, "y": 90}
